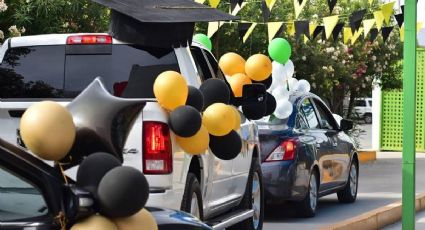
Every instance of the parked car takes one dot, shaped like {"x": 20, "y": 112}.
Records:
{"x": 363, "y": 109}
{"x": 308, "y": 155}
{"x": 59, "y": 66}
{"x": 33, "y": 195}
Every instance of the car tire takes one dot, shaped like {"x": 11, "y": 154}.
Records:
{"x": 349, "y": 193}
{"x": 368, "y": 118}
{"x": 308, "y": 206}
{"x": 192, "y": 197}
{"x": 253, "y": 199}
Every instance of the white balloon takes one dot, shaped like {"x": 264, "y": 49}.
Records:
{"x": 303, "y": 86}
{"x": 284, "y": 109}
{"x": 290, "y": 68}
{"x": 281, "y": 93}
{"x": 292, "y": 83}
{"x": 278, "y": 75}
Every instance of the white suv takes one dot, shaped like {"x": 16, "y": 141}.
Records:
{"x": 363, "y": 109}
{"x": 59, "y": 66}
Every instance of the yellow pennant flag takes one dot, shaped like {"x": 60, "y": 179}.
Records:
{"x": 213, "y": 28}
{"x": 312, "y": 27}
{"x": 379, "y": 19}
{"x": 273, "y": 28}
{"x": 249, "y": 32}
{"x": 270, "y": 4}
{"x": 368, "y": 24}
{"x": 330, "y": 23}
{"x": 214, "y": 3}
{"x": 238, "y": 8}
{"x": 298, "y": 8}
{"x": 348, "y": 34}
{"x": 290, "y": 28}
{"x": 387, "y": 11}
{"x": 200, "y": 1}
{"x": 356, "y": 35}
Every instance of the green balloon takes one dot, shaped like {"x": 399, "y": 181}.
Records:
{"x": 204, "y": 40}
{"x": 280, "y": 50}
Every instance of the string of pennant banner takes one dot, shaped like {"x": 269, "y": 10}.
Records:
{"x": 380, "y": 22}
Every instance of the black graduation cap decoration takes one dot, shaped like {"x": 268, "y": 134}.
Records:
{"x": 302, "y": 27}
{"x": 317, "y": 31}
{"x": 400, "y": 19}
{"x": 373, "y": 34}
{"x": 243, "y": 28}
{"x": 159, "y": 23}
{"x": 331, "y": 4}
{"x": 265, "y": 10}
{"x": 386, "y": 31}
{"x": 356, "y": 20}
{"x": 337, "y": 30}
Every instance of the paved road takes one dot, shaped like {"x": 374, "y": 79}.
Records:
{"x": 379, "y": 185}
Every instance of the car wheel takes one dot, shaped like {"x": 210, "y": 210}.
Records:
{"x": 253, "y": 199}
{"x": 308, "y": 205}
{"x": 192, "y": 198}
{"x": 349, "y": 193}
{"x": 368, "y": 119}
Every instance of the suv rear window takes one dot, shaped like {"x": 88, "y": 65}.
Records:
{"x": 361, "y": 103}
{"x": 47, "y": 72}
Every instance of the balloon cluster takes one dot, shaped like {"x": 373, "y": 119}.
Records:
{"x": 120, "y": 193}
{"x": 200, "y": 118}
{"x": 257, "y": 69}
{"x": 283, "y": 81}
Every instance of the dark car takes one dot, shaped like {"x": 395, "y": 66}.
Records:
{"x": 33, "y": 196}
{"x": 308, "y": 155}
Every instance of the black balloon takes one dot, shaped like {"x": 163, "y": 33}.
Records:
{"x": 185, "y": 121}
{"x": 267, "y": 82}
{"x": 195, "y": 98}
{"x": 122, "y": 192}
{"x": 270, "y": 104}
{"x": 254, "y": 112}
{"x": 93, "y": 168}
{"x": 226, "y": 147}
{"x": 215, "y": 91}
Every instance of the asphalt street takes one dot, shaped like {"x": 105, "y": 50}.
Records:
{"x": 379, "y": 185}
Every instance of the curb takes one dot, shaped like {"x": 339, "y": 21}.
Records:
{"x": 366, "y": 155}
{"x": 378, "y": 218}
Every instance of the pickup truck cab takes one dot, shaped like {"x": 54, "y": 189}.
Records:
{"x": 59, "y": 66}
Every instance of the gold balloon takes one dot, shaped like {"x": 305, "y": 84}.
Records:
{"x": 232, "y": 63}
{"x": 196, "y": 144}
{"x": 142, "y": 220}
{"x": 95, "y": 222}
{"x": 170, "y": 89}
{"x": 258, "y": 67}
{"x": 219, "y": 119}
{"x": 237, "y": 82}
{"x": 48, "y": 130}
{"x": 237, "y": 118}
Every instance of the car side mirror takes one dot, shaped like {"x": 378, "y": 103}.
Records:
{"x": 254, "y": 94}
{"x": 346, "y": 125}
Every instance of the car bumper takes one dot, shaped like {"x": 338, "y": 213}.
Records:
{"x": 168, "y": 199}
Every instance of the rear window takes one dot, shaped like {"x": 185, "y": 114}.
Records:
{"x": 47, "y": 72}
{"x": 361, "y": 103}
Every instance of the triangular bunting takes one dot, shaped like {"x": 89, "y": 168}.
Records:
{"x": 418, "y": 29}
{"x": 356, "y": 35}
{"x": 330, "y": 23}
{"x": 273, "y": 28}
{"x": 387, "y": 11}
{"x": 298, "y": 7}
{"x": 373, "y": 34}
{"x": 302, "y": 28}
{"x": 337, "y": 30}
{"x": 317, "y": 31}
{"x": 213, "y": 28}
{"x": 233, "y": 4}
{"x": 356, "y": 19}
{"x": 290, "y": 28}
{"x": 312, "y": 27}
{"x": 249, "y": 32}
{"x": 368, "y": 24}
{"x": 266, "y": 11}
{"x": 200, "y": 1}
{"x": 331, "y": 4}
{"x": 243, "y": 28}
{"x": 238, "y": 8}
{"x": 270, "y": 4}
{"x": 386, "y": 31}
{"x": 379, "y": 19}
{"x": 347, "y": 34}
{"x": 400, "y": 19}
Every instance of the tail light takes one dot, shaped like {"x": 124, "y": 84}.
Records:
{"x": 89, "y": 40}
{"x": 157, "y": 156}
{"x": 284, "y": 152}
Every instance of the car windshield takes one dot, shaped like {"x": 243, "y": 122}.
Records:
{"x": 48, "y": 72}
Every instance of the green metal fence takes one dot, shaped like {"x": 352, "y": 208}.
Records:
{"x": 392, "y": 112}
